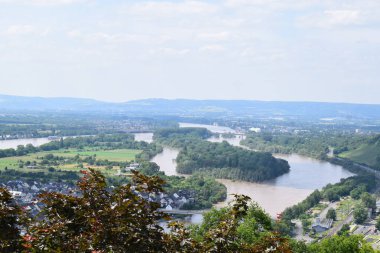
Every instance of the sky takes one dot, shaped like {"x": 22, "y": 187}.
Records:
{"x": 286, "y": 50}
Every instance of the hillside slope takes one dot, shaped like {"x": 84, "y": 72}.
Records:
{"x": 368, "y": 153}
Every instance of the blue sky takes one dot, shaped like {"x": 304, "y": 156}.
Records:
{"x": 286, "y": 50}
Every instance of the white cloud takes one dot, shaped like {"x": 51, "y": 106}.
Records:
{"x": 74, "y": 33}
{"x": 42, "y": 2}
{"x": 212, "y": 48}
{"x": 171, "y": 8}
{"x": 16, "y": 30}
{"x": 129, "y": 42}
{"x": 56, "y": 2}
{"x": 219, "y": 36}
{"x": 271, "y": 4}
{"x": 342, "y": 17}
{"x": 170, "y": 51}
{"x": 20, "y": 29}
{"x": 111, "y": 38}
{"x": 332, "y": 18}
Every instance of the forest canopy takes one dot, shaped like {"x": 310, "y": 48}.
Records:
{"x": 220, "y": 160}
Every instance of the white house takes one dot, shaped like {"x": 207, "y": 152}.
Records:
{"x": 321, "y": 225}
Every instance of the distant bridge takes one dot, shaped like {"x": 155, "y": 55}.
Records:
{"x": 185, "y": 212}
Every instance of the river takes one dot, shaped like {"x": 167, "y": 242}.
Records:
{"x": 4, "y": 144}
{"x": 212, "y": 128}
{"x": 306, "y": 175}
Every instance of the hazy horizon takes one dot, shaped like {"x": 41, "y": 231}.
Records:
{"x": 192, "y": 99}
{"x": 118, "y": 51}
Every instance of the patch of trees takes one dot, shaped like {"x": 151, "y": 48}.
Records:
{"x": 330, "y": 192}
{"x": 203, "y": 191}
{"x": 44, "y": 177}
{"x": 181, "y": 137}
{"x": 207, "y": 191}
{"x": 106, "y": 142}
{"x": 340, "y": 244}
{"x": 299, "y": 209}
{"x": 309, "y": 143}
{"x": 222, "y": 160}
{"x": 331, "y": 214}
{"x": 360, "y": 213}
{"x": 91, "y": 160}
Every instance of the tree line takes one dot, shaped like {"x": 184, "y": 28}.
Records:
{"x": 104, "y": 141}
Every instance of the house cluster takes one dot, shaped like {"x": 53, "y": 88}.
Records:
{"x": 170, "y": 201}
{"x": 132, "y": 166}
{"x": 25, "y": 194}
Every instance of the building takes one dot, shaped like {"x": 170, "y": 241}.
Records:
{"x": 377, "y": 206}
{"x": 255, "y": 129}
{"x": 320, "y": 226}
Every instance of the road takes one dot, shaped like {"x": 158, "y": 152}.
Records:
{"x": 298, "y": 230}
{"x": 335, "y": 229}
{"x": 323, "y": 214}
{"x": 366, "y": 168}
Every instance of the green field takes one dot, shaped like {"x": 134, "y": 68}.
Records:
{"x": 116, "y": 155}
{"x": 367, "y": 154}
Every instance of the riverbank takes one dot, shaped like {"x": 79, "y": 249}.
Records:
{"x": 305, "y": 176}
{"x": 275, "y": 195}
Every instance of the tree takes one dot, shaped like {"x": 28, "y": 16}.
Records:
{"x": 99, "y": 219}
{"x": 360, "y": 213}
{"x": 10, "y": 214}
{"x": 342, "y": 244}
{"x": 331, "y": 214}
{"x": 149, "y": 168}
{"x": 102, "y": 220}
{"x": 344, "y": 230}
{"x": 121, "y": 220}
{"x": 331, "y": 195}
{"x": 368, "y": 200}
{"x": 356, "y": 193}
{"x": 378, "y": 224}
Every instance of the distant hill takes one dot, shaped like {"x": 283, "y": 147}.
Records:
{"x": 189, "y": 108}
{"x": 18, "y": 103}
{"x": 367, "y": 153}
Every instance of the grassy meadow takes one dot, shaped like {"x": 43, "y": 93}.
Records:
{"x": 116, "y": 155}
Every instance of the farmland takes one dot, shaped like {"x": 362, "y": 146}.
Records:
{"x": 68, "y": 155}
